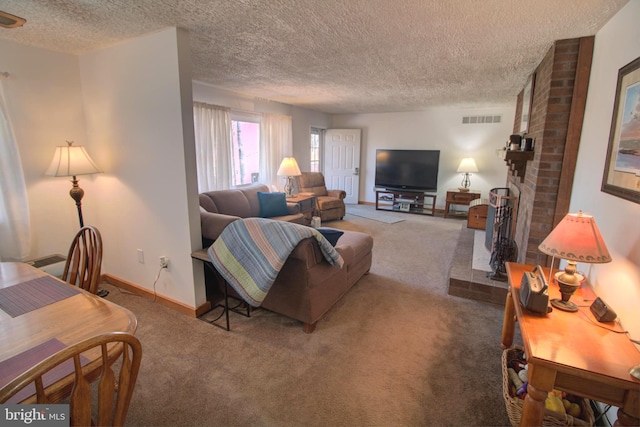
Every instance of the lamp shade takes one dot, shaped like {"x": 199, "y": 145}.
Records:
{"x": 289, "y": 167}
{"x": 467, "y": 165}
{"x": 576, "y": 238}
{"x": 71, "y": 160}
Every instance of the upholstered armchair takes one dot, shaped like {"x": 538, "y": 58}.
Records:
{"x": 329, "y": 203}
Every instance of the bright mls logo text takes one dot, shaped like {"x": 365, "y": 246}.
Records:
{"x": 35, "y": 413}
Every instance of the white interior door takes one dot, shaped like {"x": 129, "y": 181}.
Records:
{"x": 342, "y": 162}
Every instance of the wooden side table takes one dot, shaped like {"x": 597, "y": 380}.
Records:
{"x": 457, "y": 197}
{"x": 571, "y": 352}
{"x": 307, "y": 204}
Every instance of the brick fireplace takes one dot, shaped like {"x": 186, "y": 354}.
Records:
{"x": 555, "y": 122}
{"x": 544, "y": 184}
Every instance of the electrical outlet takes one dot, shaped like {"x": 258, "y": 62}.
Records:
{"x": 140, "y": 256}
{"x": 164, "y": 262}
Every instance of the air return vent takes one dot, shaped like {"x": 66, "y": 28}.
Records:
{"x": 472, "y": 120}
{"x": 52, "y": 264}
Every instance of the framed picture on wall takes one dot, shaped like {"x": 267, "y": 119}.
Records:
{"x": 527, "y": 100}
{"x": 622, "y": 168}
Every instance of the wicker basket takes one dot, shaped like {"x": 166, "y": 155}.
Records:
{"x": 551, "y": 418}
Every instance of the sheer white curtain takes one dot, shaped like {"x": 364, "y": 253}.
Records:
{"x": 214, "y": 158}
{"x": 276, "y": 142}
{"x": 15, "y": 232}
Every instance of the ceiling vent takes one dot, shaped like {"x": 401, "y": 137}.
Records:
{"x": 8, "y": 20}
{"x": 472, "y": 120}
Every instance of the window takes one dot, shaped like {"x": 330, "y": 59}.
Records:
{"x": 246, "y": 148}
{"x": 316, "y": 137}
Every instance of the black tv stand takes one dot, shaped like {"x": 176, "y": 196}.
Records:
{"x": 406, "y": 201}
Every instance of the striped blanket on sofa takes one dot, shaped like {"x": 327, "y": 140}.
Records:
{"x": 250, "y": 253}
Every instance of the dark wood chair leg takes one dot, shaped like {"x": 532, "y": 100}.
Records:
{"x": 309, "y": 327}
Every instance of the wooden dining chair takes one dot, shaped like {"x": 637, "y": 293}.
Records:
{"x": 115, "y": 370}
{"x": 84, "y": 260}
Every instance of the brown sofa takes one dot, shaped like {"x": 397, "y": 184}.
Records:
{"x": 221, "y": 207}
{"x": 307, "y": 285}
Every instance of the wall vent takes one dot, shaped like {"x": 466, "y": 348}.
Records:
{"x": 472, "y": 120}
{"x": 52, "y": 264}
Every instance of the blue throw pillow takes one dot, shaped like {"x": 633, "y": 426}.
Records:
{"x": 331, "y": 234}
{"x": 272, "y": 204}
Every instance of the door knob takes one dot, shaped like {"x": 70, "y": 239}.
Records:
{"x": 356, "y": 172}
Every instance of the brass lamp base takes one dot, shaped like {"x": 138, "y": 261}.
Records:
{"x": 77, "y": 194}
{"x": 566, "y": 289}
{"x": 564, "y": 305}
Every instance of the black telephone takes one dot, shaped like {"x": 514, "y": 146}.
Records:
{"x": 534, "y": 294}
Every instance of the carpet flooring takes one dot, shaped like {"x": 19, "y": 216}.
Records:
{"x": 396, "y": 350}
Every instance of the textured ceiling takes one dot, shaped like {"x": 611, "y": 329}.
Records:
{"x": 336, "y": 56}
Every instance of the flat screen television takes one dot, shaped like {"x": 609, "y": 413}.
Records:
{"x": 410, "y": 170}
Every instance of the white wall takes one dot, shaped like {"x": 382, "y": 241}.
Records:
{"x": 44, "y": 103}
{"x": 618, "y": 282}
{"x": 134, "y": 94}
{"x": 124, "y": 104}
{"x": 203, "y": 92}
{"x": 436, "y": 129}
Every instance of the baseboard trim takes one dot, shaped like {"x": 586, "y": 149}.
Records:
{"x": 167, "y": 302}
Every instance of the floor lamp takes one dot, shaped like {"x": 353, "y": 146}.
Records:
{"x": 72, "y": 160}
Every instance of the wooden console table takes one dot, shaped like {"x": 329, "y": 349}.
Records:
{"x": 456, "y": 197}
{"x": 571, "y": 352}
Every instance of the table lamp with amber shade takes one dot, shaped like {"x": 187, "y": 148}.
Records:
{"x": 575, "y": 239}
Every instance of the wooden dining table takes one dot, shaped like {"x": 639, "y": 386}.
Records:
{"x": 40, "y": 315}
